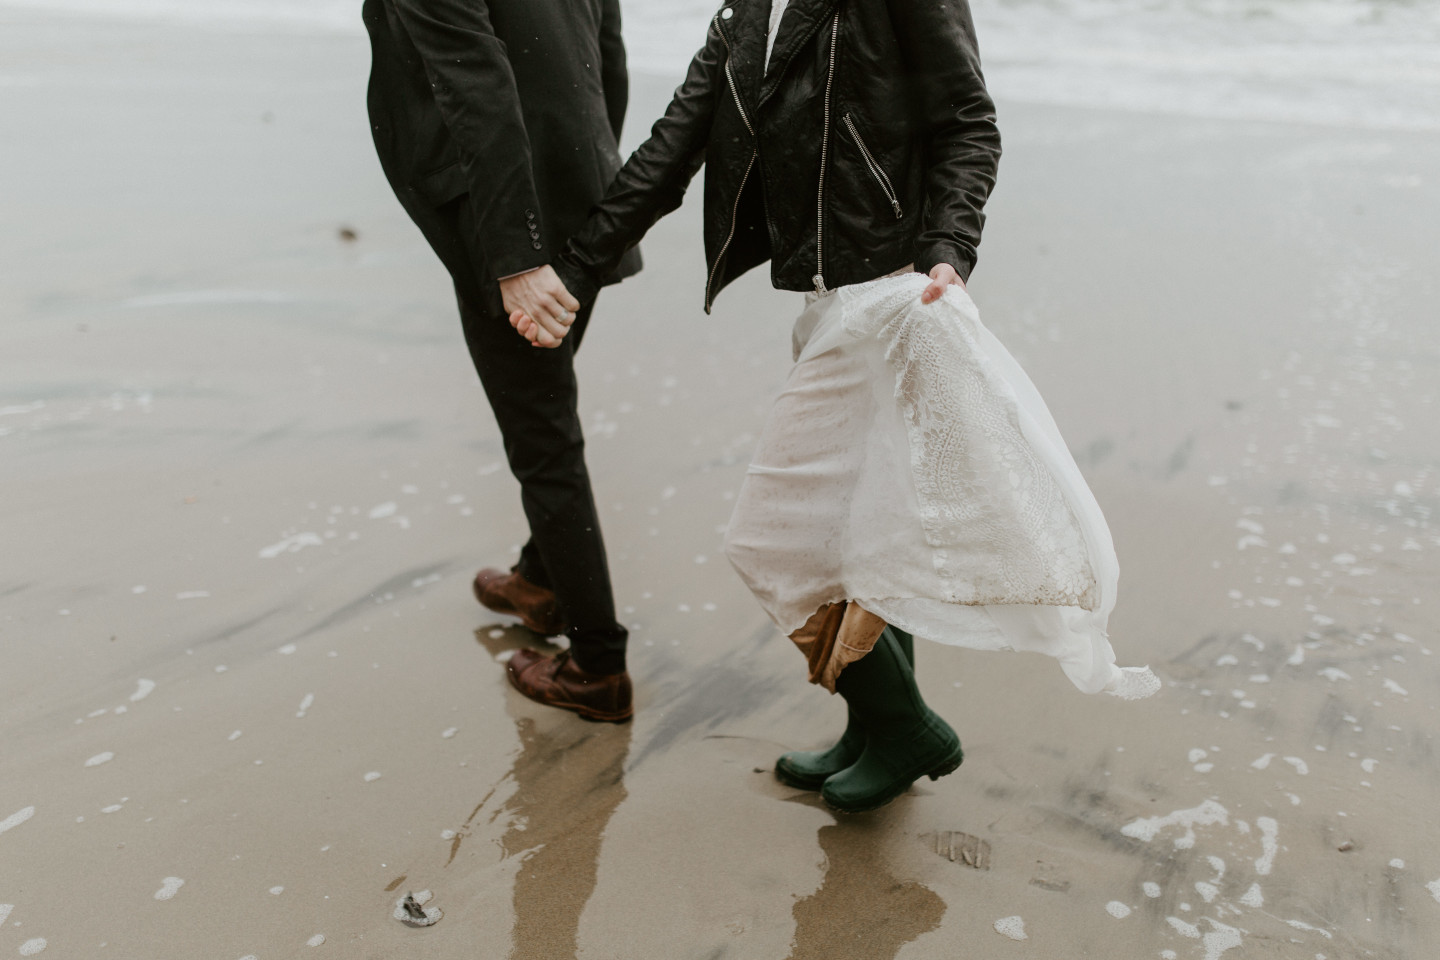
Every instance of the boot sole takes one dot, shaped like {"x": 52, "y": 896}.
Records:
{"x": 798, "y": 781}
{"x": 586, "y": 713}
{"x": 580, "y": 710}
{"x": 935, "y": 771}
{"x": 550, "y": 629}
{"x": 595, "y": 716}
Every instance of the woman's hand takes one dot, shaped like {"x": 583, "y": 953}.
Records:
{"x": 541, "y": 309}
{"x": 530, "y": 330}
{"x": 941, "y": 276}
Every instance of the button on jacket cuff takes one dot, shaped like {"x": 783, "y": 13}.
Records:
{"x": 509, "y": 234}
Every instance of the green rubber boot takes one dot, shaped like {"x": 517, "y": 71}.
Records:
{"x": 809, "y": 769}
{"x": 904, "y": 739}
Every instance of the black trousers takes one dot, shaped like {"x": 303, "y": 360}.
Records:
{"x": 534, "y": 395}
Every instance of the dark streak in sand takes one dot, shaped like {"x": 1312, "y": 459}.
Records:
{"x": 160, "y": 658}
{"x": 354, "y": 608}
{"x": 395, "y": 430}
{"x": 239, "y": 627}
{"x": 706, "y": 698}
{"x": 1180, "y": 459}
{"x": 281, "y": 432}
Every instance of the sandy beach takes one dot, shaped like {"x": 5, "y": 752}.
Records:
{"x": 247, "y": 701}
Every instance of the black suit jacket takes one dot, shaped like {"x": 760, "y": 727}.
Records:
{"x": 497, "y": 123}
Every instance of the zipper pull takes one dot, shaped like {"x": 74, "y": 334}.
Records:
{"x": 820, "y": 289}
{"x": 896, "y": 205}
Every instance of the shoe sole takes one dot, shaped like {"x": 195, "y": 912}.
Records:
{"x": 583, "y": 712}
{"x": 597, "y": 717}
{"x": 947, "y": 766}
{"x": 539, "y": 629}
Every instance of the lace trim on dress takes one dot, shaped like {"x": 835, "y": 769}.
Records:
{"x": 995, "y": 517}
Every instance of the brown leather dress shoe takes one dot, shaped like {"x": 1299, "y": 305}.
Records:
{"x": 505, "y": 591}
{"x": 557, "y": 682}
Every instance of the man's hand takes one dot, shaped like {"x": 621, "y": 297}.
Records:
{"x": 540, "y": 307}
{"x": 941, "y": 276}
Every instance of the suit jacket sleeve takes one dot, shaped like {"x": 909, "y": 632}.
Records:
{"x": 652, "y": 182}
{"x": 937, "y": 41}
{"x": 475, "y": 91}
{"x": 613, "y": 72}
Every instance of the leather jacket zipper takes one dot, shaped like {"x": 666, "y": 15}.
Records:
{"x": 734, "y": 216}
{"x": 875, "y": 169}
{"x": 735, "y": 92}
{"x": 735, "y": 210}
{"x": 819, "y": 278}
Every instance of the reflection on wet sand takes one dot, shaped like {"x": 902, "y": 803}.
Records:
{"x": 569, "y": 780}
{"x": 861, "y": 910}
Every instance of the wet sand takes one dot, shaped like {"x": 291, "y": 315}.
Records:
{"x": 247, "y": 474}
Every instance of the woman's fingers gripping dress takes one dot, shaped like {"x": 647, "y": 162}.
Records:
{"x": 941, "y": 276}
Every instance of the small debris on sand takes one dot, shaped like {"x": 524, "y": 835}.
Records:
{"x": 412, "y": 912}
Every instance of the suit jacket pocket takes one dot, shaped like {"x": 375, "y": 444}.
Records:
{"x": 442, "y": 185}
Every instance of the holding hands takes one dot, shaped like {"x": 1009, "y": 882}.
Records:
{"x": 542, "y": 310}
{"x": 540, "y": 307}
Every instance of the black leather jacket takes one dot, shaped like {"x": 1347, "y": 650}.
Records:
{"x": 869, "y": 143}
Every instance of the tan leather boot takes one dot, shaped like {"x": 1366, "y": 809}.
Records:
{"x": 508, "y": 593}
{"x": 558, "y": 682}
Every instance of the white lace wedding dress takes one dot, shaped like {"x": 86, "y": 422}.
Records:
{"x": 911, "y": 466}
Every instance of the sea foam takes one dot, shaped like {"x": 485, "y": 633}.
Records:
{"x": 1206, "y": 814}
{"x": 15, "y": 819}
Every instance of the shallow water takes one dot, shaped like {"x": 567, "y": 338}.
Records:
{"x": 1366, "y": 63}
{"x": 1232, "y": 322}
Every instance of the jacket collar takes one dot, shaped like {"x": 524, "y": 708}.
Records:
{"x": 801, "y": 20}
{"x": 745, "y": 33}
